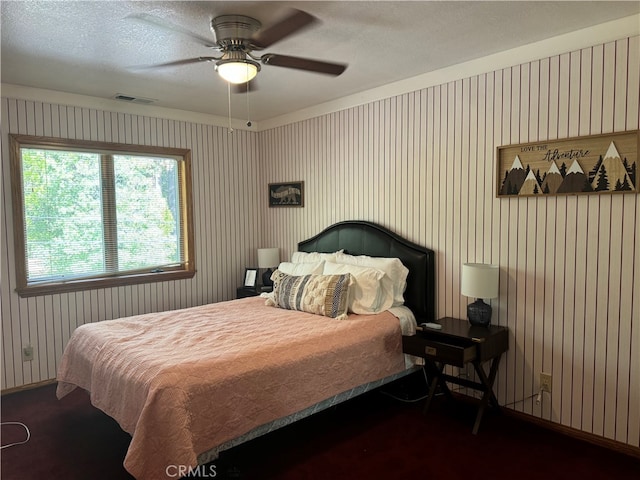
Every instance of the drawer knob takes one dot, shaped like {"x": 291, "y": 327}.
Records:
{"x": 431, "y": 350}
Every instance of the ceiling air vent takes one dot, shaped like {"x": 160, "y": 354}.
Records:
{"x": 132, "y": 99}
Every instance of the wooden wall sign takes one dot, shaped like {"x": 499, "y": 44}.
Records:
{"x": 581, "y": 165}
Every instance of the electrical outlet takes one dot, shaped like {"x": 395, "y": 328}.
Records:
{"x": 545, "y": 382}
{"x": 27, "y": 353}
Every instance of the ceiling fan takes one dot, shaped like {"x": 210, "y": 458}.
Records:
{"x": 238, "y": 37}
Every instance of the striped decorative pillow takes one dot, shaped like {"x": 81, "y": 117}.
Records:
{"x": 326, "y": 295}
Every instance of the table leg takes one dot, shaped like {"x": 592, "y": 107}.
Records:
{"x": 488, "y": 395}
{"x": 435, "y": 370}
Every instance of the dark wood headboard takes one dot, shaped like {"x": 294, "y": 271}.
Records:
{"x": 364, "y": 238}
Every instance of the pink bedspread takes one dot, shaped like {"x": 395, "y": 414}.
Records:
{"x": 185, "y": 381}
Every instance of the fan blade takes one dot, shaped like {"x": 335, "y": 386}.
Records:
{"x": 293, "y": 22}
{"x": 166, "y": 25}
{"x": 176, "y": 63}
{"x": 303, "y": 64}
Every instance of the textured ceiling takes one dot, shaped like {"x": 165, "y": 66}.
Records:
{"x": 89, "y": 48}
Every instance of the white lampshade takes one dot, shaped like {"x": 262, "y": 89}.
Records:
{"x": 268, "y": 257}
{"x": 480, "y": 280}
{"x": 237, "y": 71}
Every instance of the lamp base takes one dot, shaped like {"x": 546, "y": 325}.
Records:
{"x": 266, "y": 278}
{"x": 479, "y": 313}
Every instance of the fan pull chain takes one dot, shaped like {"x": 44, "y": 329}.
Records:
{"x": 229, "y": 105}
{"x": 248, "y": 117}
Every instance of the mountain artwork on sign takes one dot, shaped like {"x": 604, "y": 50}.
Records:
{"x": 595, "y": 164}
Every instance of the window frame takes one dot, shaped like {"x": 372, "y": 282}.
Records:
{"x": 186, "y": 270}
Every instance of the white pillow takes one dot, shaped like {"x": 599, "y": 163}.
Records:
{"x": 307, "y": 257}
{"x": 310, "y": 268}
{"x": 371, "y": 291}
{"x": 393, "y": 267}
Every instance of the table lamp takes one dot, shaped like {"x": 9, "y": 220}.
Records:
{"x": 479, "y": 281}
{"x": 268, "y": 258}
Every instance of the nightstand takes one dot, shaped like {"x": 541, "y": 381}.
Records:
{"x": 459, "y": 343}
{"x": 243, "y": 292}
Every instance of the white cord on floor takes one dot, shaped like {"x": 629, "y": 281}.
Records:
{"x": 16, "y": 443}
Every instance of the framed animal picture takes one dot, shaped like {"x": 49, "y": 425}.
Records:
{"x": 290, "y": 194}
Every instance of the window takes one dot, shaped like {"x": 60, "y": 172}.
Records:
{"x": 89, "y": 215}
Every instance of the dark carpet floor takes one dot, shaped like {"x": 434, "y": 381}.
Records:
{"x": 371, "y": 437}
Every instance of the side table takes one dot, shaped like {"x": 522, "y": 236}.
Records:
{"x": 243, "y": 292}
{"x": 459, "y": 343}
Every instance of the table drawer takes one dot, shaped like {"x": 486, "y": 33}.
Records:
{"x": 439, "y": 351}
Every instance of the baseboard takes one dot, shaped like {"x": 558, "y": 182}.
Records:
{"x": 575, "y": 433}
{"x": 29, "y": 386}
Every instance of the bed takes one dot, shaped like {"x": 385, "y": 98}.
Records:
{"x": 191, "y": 383}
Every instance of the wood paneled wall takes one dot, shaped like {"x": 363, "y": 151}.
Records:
{"x": 227, "y": 227}
{"x": 423, "y": 164}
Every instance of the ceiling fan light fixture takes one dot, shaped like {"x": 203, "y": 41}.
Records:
{"x": 237, "y": 70}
